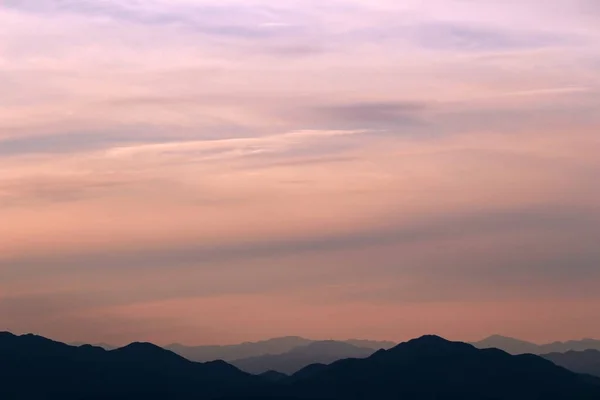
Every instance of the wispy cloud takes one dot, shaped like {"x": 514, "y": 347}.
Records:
{"x": 74, "y": 142}
{"x": 235, "y": 147}
{"x": 461, "y": 37}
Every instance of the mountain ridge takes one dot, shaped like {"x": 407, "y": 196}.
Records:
{"x": 517, "y": 346}
{"x": 273, "y": 346}
{"x": 432, "y": 367}
{"x": 322, "y": 352}
{"x": 429, "y": 367}
{"x": 583, "y": 362}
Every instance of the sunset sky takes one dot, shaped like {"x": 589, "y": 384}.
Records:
{"x": 216, "y": 171}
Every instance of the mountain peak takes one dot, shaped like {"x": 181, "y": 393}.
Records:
{"x": 496, "y": 336}
{"x": 31, "y": 340}
{"x": 273, "y": 376}
{"x": 147, "y": 351}
{"x": 430, "y": 339}
{"x": 7, "y": 336}
{"x": 427, "y": 345}
{"x": 141, "y": 346}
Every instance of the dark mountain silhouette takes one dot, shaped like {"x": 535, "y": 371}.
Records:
{"x": 273, "y": 376}
{"x": 255, "y": 349}
{"x": 324, "y": 352}
{"x": 308, "y": 371}
{"x": 105, "y": 346}
{"x": 583, "y": 362}
{"x": 433, "y": 368}
{"x": 32, "y": 367}
{"x": 516, "y": 346}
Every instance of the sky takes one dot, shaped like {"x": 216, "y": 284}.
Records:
{"x": 217, "y": 171}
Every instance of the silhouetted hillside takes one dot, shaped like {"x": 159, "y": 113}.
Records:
{"x": 433, "y": 368}
{"x": 324, "y": 352}
{"x": 32, "y": 367}
{"x": 516, "y": 346}
{"x": 273, "y": 376}
{"x": 105, "y": 346}
{"x": 583, "y": 362}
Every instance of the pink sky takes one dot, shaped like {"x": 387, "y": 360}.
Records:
{"x": 206, "y": 171}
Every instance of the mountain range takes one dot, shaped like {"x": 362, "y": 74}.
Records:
{"x": 289, "y": 354}
{"x": 321, "y": 352}
{"x": 266, "y": 347}
{"x": 427, "y": 368}
{"x": 433, "y": 368}
{"x": 282, "y": 345}
{"x": 516, "y": 346}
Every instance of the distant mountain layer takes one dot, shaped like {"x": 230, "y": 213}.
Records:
{"x": 516, "y": 346}
{"x": 237, "y": 351}
{"x": 254, "y": 349}
{"x": 32, "y": 367}
{"x": 323, "y": 352}
{"x": 584, "y": 362}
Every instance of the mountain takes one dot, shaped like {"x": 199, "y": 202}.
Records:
{"x": 433, "y": 368}
{"x": 255, "y": 349}
{"x": 371, "y": 344}
{"x": 508, "y": 344}
{"x": 273, "y": 376}
{"x": 324, "y": 352}
{"x": 584, "y": 362}
{"x": 571, "y": 345}
{"x": 33, "y": 367}
{"x": 238, "y": 351}
{"x": 105, "y": 346}
{"x": 516, "y": 346}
